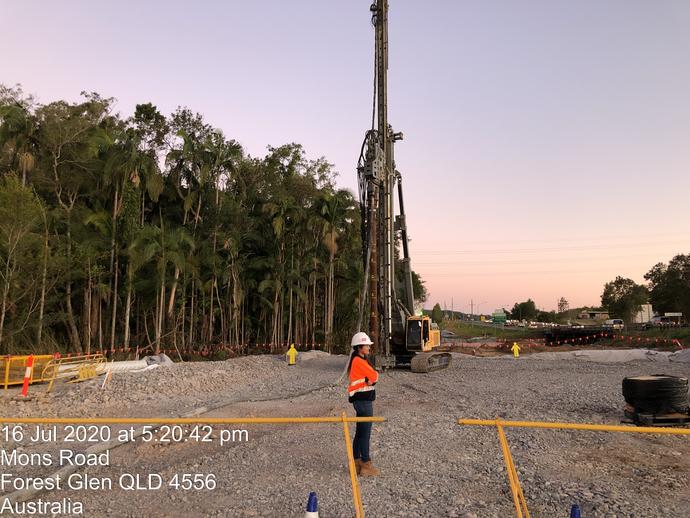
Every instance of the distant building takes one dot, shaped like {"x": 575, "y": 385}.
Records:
{"x": 593, "y": 314}
{"x": 675, "y": 317}
{"x": 645, "y": 314}
{"x": 499, "y": 316}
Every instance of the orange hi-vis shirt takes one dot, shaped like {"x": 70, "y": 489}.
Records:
{"x": 360, "y": 373}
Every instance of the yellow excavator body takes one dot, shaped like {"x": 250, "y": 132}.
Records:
{"x": 423, "y": 336}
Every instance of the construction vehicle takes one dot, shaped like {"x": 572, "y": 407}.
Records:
{"x": 400, "y": 338}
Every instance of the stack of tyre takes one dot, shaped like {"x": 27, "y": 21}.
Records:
{"x": 656, "y": 394}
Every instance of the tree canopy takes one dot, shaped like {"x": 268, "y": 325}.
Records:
{"x": 563, "y": 305}
{"x": 623, "y": 298}
{"x": 526, "y": 310}
{"x": 437, "y": 313}
{"x": 161, "y": 232}
{"x": 669, "y": 285}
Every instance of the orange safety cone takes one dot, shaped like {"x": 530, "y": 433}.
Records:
{"x": 27, "y": 375}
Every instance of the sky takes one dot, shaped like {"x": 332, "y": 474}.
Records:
{"x": 547, "y": 143}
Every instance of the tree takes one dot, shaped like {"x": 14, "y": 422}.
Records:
{"x": 669, "y": 285}
{"x": 70, "y": 137}
{"x": 159, "y": 230}
{"x": 524, "y": 310}
{"x": 20, "y": 216}
{"x": 437, "y": 313}
{"x": 563, "y": 305}
{"x": 546, "y": 316}
{"x": 420, "y": 293}
{"x": 623, "y": 298}
{"x": 334, "y": 209}
{"x": 17, "y": 131}
{"x": 160, "y": 247}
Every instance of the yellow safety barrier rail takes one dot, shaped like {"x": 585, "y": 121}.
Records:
{"x": 13, "y": 368}
{"x": 356, "y": 495}
{"x": 516, "y": 489}
{"x": 576, "y": 426}
{"x": 74, "y": 368}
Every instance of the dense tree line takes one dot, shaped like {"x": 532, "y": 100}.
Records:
{"x": 161, "y": 232}
{"x": 667, "y": 290}
{"x": 669, "y": 285}
{"x": 527, "y": 310}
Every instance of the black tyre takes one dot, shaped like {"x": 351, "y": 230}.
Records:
{"x": 657, "y": 393}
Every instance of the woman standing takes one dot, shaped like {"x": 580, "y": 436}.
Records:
{"x": 362, "y": 394}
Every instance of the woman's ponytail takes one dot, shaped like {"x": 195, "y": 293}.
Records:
{"x": 352, "y": 357}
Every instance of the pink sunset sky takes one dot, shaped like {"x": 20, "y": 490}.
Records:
{"x": 547, "y": 143}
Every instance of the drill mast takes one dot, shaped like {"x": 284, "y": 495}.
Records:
{"x": 377, "y": 179}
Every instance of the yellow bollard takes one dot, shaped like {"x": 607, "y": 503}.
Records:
{"x": 291, "y": 354}
{"x": 516, "y": 350}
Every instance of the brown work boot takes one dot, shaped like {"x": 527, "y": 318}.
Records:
{"x": 368, "y": 470}
{"x": 358, "y": 465}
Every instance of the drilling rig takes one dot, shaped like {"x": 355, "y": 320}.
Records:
{"x": 400, "y": 338}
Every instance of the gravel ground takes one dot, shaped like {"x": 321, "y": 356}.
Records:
{"x": 430, "y": 466}
{"x": 176, "y": 389}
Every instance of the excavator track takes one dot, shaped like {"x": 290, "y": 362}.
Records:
{"x": 429, "y": 362}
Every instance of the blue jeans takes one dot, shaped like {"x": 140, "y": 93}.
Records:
{"x": 360, "y": 445}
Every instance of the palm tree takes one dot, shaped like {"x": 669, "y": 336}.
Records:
{"x": 274, "y": 259}
{"x": 160, "y": 247}
{"x": 17, "y": 135}
{"x": 334, "y": 210}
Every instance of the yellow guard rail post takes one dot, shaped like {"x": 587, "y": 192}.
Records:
{"x": 516, "y": 490}
{"x": 356, "y": 496}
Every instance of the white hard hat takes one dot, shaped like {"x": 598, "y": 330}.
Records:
{"x": 361, "y": 339}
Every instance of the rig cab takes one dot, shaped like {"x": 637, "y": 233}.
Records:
{"x": 421, "y": 334}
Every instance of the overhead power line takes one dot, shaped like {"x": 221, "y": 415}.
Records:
{"x": 548, "y": 249}
{"x": 461, "y": 263}
{"x": 426, "y": 275}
